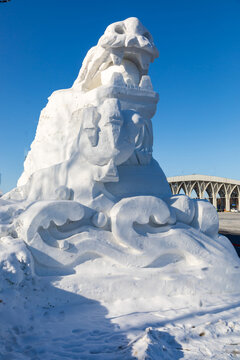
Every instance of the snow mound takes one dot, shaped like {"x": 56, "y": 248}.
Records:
{"x": 16, "y": 262}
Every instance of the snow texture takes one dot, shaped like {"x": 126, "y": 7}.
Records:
{"x": 97, "y": 259}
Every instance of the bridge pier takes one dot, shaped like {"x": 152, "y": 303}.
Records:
{"x": 214, "y": 198}
{"x": 227, "y": 202}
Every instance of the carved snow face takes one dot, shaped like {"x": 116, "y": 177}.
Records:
{"x": 121, "y": 58}
{"x": 108, "y": 134}
{"x": 129, "y": 39}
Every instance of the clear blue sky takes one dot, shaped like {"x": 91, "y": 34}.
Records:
{"x": 197, "y": 125}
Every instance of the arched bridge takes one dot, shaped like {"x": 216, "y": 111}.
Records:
{"x": 223, "y": 193}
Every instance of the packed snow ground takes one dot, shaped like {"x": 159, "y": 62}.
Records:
{"x": 108, "y": 311}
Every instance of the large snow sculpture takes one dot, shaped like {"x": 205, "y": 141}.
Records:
{"x": 90, "y": 187}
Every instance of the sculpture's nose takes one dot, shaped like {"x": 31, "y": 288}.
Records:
{"x": 115, "y": 129}
{"x": 134, "y": 26}
{"x": 114, "y": 125}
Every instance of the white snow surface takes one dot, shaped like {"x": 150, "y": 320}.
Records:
{"x": 108, "y": 311}
{"x": 98, "y": 260}
{"x": 107, "y": 308}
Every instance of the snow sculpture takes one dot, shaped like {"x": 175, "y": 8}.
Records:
{"x": 90, "y": 186}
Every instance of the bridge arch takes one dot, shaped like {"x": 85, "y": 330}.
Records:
{"x": 235, "y": 197}
{"x": 221, "y": 197}
{"x": 208, "y": 190}
{"x": 193, "y": 194}
{"x": 195, "y": 188}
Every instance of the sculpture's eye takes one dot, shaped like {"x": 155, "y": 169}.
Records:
{"x": 119, "y": 29}
{"x": 147, "y": 35}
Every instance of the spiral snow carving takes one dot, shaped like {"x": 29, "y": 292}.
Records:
{"x": 90, "y": 186}
{"x": 145, "y": 211}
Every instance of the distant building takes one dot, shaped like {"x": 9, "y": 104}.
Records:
{"x": 223, "y": 193}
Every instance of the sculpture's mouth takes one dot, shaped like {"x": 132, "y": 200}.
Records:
{"x": 124, "y": 67}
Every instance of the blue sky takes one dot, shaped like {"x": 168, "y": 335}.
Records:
{"x": 197, "y": 124}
